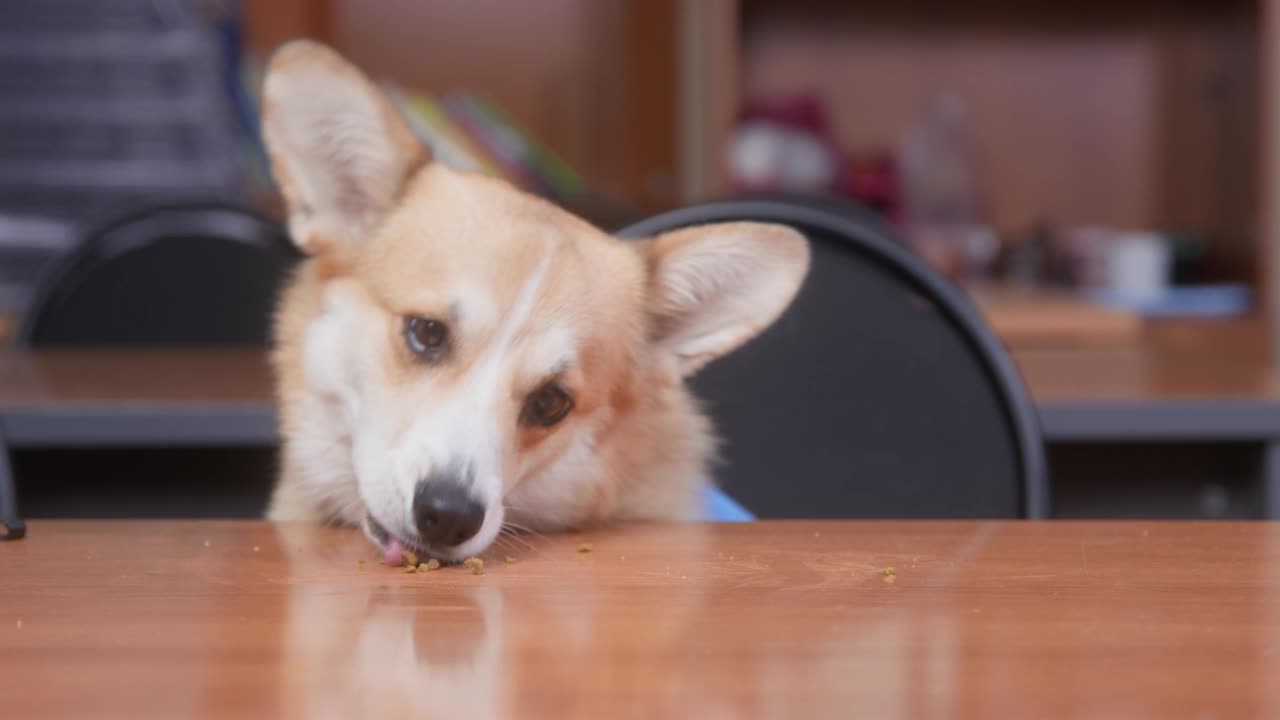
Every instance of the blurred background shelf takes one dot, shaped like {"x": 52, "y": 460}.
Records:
{"x": 1135, "y": 115}
{"x": 1087, "y": 121}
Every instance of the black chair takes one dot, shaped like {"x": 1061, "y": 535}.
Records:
{"x": 198, "y": 273}
{"x": 12, "y": 526}
{"x": 187, "y": 274}
{"x": 880, "y": 393}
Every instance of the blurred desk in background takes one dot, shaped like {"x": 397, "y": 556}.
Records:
{"x": 1174, "y": 380}
{"x": 1052, "y": 318}
{"x": 1184, "y": 421}
{"x": 94, "y": 398}
{"x": 1193, "y": 410}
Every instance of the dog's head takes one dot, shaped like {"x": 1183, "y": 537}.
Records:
{"x": 489, "y": 351}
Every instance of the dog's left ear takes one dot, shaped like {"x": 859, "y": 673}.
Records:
{"x": 713, "y": 287}
{"x": 340, "y": 152}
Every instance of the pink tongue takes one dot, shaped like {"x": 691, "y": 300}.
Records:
{"x": 394, "y": 548}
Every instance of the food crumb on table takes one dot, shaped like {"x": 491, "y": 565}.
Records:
{"x": 888, "y": 571}
{"x": 510, "y": 559}
{"x": 409, "y": 557}
{"x": 586, "y": 547}
{"x": 476, "y": 564}
{"x": 429, "y": 565}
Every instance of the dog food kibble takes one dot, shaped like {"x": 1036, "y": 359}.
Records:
{"x": 410, "y": 568}
{"x": 510, "y": 559}
{"x": 409, "y": 558}
{"x": 476, "y": 565}
{"x": 586, "y": 548}
{"x": 888, "y": 571}
{"x": 429, "y": 565}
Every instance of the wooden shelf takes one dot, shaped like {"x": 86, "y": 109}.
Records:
{"x": 1134, "y": 114}
{"x": 1129, "y": 115}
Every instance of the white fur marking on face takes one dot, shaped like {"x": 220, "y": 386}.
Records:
{"x": 462, "y": 427}
{"x": 561, "y": 491}
{"x": 476, "y": 308}
{"x": 329, "y": 366}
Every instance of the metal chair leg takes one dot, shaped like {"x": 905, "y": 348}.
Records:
{"x": 10, "y": 521}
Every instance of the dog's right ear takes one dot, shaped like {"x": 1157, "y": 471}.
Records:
{"x": 340, "y": 153}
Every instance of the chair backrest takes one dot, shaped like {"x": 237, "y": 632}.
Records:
{"x": 193, "y": 274}
{"x": 880, "y": 393}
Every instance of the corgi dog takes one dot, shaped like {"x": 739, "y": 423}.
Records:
{"x": 456, "y": 358}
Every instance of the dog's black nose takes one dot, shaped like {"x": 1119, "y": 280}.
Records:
{"x": 446, "y": 513}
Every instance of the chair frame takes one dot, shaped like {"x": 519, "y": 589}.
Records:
{"x": 863, "y": 231}
{"x": 104, "y": 241}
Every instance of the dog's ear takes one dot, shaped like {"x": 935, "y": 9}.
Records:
{"x": 713, "y": 287}
{"x": 340, "y": 152}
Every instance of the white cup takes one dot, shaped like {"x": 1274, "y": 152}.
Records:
{"x": 1137, "y": 265}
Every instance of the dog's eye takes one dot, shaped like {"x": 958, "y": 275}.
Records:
{"x": 546, "y": 406}
{"x": 427, "y": 338}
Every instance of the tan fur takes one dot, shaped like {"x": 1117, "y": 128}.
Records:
{"x": 639, "y": 317}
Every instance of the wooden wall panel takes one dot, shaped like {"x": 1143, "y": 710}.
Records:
{"x": 594, "y": 79}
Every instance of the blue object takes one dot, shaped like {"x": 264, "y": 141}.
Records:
{"x": 719, "y": 507}
{"x": 1204, "y": 301}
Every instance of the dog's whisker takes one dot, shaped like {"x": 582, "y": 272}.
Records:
{"x": 519, "y": 530}
{"x": 501, "y": 543}
{"x": 513, "y": 537}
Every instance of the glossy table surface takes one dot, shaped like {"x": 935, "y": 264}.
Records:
{"x": 203, "y": 619}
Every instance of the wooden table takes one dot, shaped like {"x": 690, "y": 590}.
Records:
{"x": 1010, "y": 620}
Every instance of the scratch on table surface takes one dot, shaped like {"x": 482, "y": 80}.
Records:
{"x": 1027, "y": 576}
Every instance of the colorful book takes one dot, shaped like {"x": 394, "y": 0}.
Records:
{"x": 498, "y": 144}
{"x": 556, "y": 173}
{"x": 429, "y": 123}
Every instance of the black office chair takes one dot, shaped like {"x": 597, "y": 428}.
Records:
{"x": 185, "y": 274}
{"x": 12, "y": 527}
{"x": 880, "y": 393}
{"x": 197, "y": 273}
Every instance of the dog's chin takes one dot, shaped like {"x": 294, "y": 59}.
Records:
{"x": 382, "y": 539}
